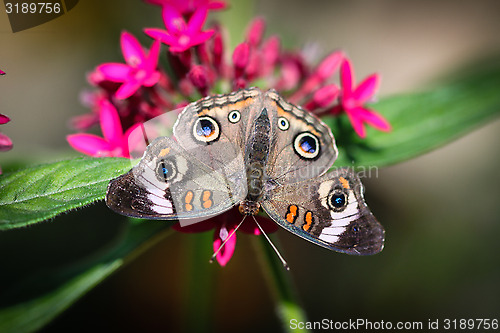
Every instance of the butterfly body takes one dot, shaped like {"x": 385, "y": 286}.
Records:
{"x": 254, "y": 150}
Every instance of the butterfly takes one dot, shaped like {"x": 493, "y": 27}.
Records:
{"x": 254, "y": 150}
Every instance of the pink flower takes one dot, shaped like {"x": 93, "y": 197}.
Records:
{"x": 321, "y": 73}
{"x": 199, "y": 76}
{"x": 2, "y": 72}
{"x": 353, "y": 98}
{"x": 5, "y": 142}
{"x": 181, "y": 35}
{"x": 188, "y": 7}
{"x": 241, "y": 56}
{"x": 323, "y": 97}
{"x": 140, "y": 69}
{"x": 224, "y": 225}
{"x": 114, "y": 143}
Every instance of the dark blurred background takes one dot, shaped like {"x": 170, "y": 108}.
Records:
{"x": 440, "y": 210}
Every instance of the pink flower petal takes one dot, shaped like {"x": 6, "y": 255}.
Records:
{"x": 128, "y": 143}
{"x": 291, "y": 75}
{"x": 329, "y": 65}
{"x": 152, "y": 79}
{"x": 5, "y": 142}
{"x": 198, "y": 75}
{"x": 127, "y": 89}
{"x": 256, "y": 31}
{"x": 367, "y": 88}
{"x": 375, "y": 119}
{"x": 357, "y": 124}
{"x": 241, "y": 55}
{"x": 89, "y": 144}
{"x": 216, "y": 5}
{"x": 4, "y": 119}
{"x": 271, "y": 50}
{"x": 160, "y": 35}
{"x": 346, "y": 77}
{"x": 84, "y": 122}
{"x": 325, "y": 95}
{"x": 218, "y": 50}
{"x": 2, "y": 72}
{"x": 227, "y": 251}
{"x": 114, "y": 72}
{"x": 110, "y": 123}
{"x": 173, "y": 20}
{"x": 132, "y": 50}
{"x": 197, "y": 20}
{"x": 201, "y": 37}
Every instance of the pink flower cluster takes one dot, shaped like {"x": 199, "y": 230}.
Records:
{"x": 5, "y": 141}
{"x": 130, "y": 93}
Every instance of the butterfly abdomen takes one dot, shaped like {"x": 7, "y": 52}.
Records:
{"x": 256, "y": 155}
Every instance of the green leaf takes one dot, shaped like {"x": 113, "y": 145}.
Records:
{"x": 422, "y": 121}
{"x": 41, "y": 192}
{"x": 33, "y": 302}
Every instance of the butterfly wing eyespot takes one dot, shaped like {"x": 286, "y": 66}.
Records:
{"x": 283, "y": 123}
{"x": 234, "y": 116}
{"x": 307, "y": 146}
{"x": 337, "y": 200}
{"x": 206, "y": 129}
{"x": 166, "y": 170}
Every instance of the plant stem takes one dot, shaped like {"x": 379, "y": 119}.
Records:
{"x": 281, "y": 285}
{"x": 200, "y": 280}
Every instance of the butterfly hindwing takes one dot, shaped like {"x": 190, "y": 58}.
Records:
{"x": 329, "y": 211}
{"x": 172, "y": 183}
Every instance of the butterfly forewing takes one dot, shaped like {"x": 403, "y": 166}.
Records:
{"x": 218, "y": 126}
{"x": 301, "y": 149}
{"x": 172, "y": 183}
{"x": 329, "y": 211}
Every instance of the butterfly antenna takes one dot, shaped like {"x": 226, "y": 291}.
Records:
{"x": 283, "y": 262}
{"x": 225, "y": 240}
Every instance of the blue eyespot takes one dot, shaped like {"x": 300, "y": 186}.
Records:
{"x": 166, "y": 170}
{"x": 338, "y": 200}
{"x": 306, "y": 145}
{"x": 283, "y": 124}
{"x": 206, "y": 129}
{"x": 234, "y": 116}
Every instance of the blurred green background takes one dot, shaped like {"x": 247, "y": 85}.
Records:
{"x": 440, "y": 211}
